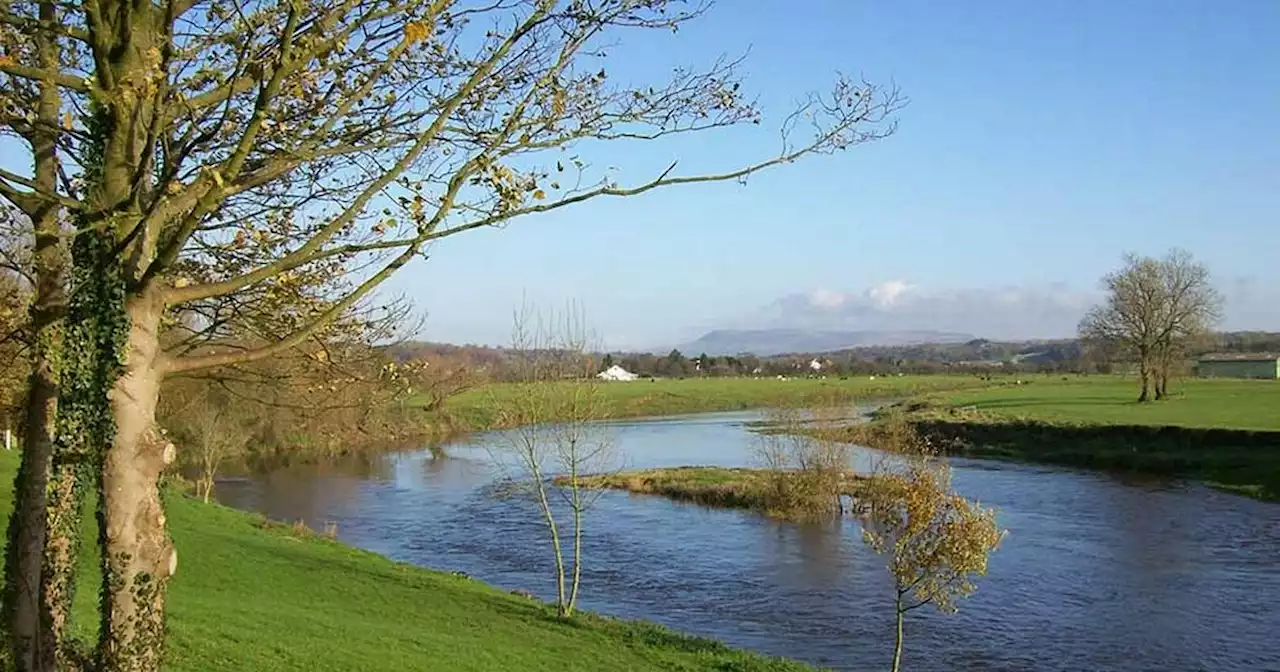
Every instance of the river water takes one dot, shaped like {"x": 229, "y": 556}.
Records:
{"x": 1096, "y": 574}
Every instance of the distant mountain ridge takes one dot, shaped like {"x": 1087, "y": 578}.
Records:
{"x": 766, "y": 342}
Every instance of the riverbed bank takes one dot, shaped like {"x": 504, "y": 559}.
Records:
{"x": 1243, "y": 461}
{"x": 254, "y": 596}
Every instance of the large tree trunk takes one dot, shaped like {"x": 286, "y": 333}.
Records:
{"x": 1145, "y": 372}
{"x": 27, "y": 531}
{"x": 89, "y": 367}
{"x": 25, "y": 550}
{"x": 138, "y": 558}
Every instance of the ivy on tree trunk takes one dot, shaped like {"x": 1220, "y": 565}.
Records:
{"x": 90, "y": 364}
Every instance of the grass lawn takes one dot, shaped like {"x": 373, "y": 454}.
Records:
{"x": 1223, "y": 432}
{"x": 477, "y": 409}
{"x": 1105, "y": 400}
{"x": 255, "y": 597}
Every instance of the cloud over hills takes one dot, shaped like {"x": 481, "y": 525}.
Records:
{"x": 1051, "y": 311}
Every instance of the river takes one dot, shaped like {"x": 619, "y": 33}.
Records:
{"x": 1097, "y": 573}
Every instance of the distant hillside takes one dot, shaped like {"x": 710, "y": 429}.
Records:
{"x": 766, "y": 342}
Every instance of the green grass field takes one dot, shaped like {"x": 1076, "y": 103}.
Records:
{"x": 476, "y": 409}
{"x": 263, "y": 598}
{"x": 1223, "y": 432}
{"x": 1104, "y": 400}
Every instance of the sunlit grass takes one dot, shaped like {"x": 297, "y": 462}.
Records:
{"x": 1209, "y": 403}
{"x": 1223, "y": 432}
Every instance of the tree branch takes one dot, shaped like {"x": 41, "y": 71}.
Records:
{"x": 312, "y": 247}
{"x": 324, "y": 319}
{"x": 20, "y": 197}
{"x": 62, "y": 79}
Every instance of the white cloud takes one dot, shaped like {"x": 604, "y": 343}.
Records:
{"x": 886, "y": 294}
{"x": 826, "y": 299}
{"x": 998, "y": 312}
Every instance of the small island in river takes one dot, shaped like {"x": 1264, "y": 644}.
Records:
{"x": 723, "y": 487}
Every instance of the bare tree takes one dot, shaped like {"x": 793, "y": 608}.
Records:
{"x": 218, "y": 154}
{"x": 1129, "y": 321}
{"x": 808, "y": 474}
{"x": 1154, "y": 307}
{"x": 210, "y": 434}
{"x": 1192, "y": 307}
{"x": 935, "y": 539}
{"x": 555, "y": 415}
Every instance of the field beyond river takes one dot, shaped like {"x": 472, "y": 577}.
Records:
{"x": 479, "y": 409}
{"x": 1223, "y": 432}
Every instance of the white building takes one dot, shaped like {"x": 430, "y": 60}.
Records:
{"x": 616, "y": 372}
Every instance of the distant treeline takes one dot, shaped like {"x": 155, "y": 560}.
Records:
{"x": 977, "y": 356}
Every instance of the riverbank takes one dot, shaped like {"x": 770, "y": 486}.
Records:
{"x": 722, "y": 487}
{"x": 480, "y": 409}
{"x": 249, "y": 595}
{"x": 1225, "y": 433}
{"x": 1112, "y": 400}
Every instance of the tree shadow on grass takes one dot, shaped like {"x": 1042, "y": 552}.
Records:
{"x": 1026, "y": 402}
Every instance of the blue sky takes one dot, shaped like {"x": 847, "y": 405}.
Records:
{"x": 1043, "y": 139}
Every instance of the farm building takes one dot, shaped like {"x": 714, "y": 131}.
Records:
{"x": 616, "y": 372}
{"x": 1239, "y": 365}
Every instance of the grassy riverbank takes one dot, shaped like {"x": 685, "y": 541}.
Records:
{"x": 251, "y": 596}
{"x": 1111, "y": 400}
{"x": 1223, "y": 432}
{"x": 731, "y": 488}
{"x": 478, "y": 409}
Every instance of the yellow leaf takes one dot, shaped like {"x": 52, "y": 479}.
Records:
{"x": 5, "y": 59}
{"x": 416, "y": 31}
{"x": 67, "y": 120}
{"x": 539, "y": 194}
{"x": 181, "y": 282}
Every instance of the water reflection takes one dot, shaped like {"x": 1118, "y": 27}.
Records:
{"x": 1097, "y": 573}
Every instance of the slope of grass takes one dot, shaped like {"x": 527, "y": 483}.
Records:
{"x": 477, "y": 409}
{"x": 1223, "y": 404}
{"x": 251, "y": 596}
